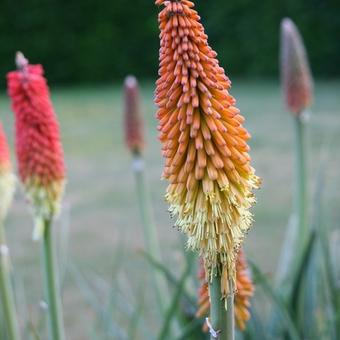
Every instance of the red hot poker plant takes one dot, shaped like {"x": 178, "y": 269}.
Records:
{"x": 41, "y": 168}
{"x": 38, "y": 147}
{"x": 204, "y": 143}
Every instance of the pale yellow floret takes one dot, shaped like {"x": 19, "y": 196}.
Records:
{"x": 215, "y": 222}
{"x": 45, "y": 200}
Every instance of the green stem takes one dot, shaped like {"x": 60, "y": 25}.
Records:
{"x": 222, "y": 316}
{"x": 7, "y": 295}
{"x": 51, "y": 282}
{"x": 150, "y": 232}
{"x": 230, "y": 316}
{"x": 300, "y": 183}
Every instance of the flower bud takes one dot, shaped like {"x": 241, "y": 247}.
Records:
{"x": 134, "y": 134}
{"x": 297, "y": 82}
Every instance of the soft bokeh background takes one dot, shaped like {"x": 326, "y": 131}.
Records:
{"x": 99, "y": 41}
{"x": 87, "y": 47}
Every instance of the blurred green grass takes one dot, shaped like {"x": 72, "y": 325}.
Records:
{"x": 100, "y": 202}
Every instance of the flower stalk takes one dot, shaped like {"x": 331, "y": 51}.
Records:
{"x": 300, "y": 180}
{"x": 221, "y": 312}
{"x": 7, "y": 295}
{"x": 150, "y": 232}
{"x": 297, "y": 86}
{"x": 7, "y": 187}
{"x": 134, "y": 138}
{"x": 51, "y": 284}
{"x": 204, "y": 144}
{"x": 236, "y": 305}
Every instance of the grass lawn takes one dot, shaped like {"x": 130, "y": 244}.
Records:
{"x": 100, "y": 209}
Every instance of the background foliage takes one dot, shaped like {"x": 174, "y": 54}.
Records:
{"x": 101, "y": 40}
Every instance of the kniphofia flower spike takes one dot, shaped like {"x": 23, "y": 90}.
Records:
{"x": 38, "y": 147}
{"x": 204, "y": 143}
{"x": 134, "y": 129}
{"x": 297, "y": 81}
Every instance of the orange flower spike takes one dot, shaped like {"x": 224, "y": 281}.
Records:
{"x": 245, "y": 290}
{"x": 297, "y": 81}
{"x": 204, "y": 143}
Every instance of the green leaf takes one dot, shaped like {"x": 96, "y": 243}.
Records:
{"x": 171, "y": 311}
{"x": 298, "y": 280}
{"x": 261, "y": 280}
{"x": 170, "y": 277}
{"x": 327, "y": 291}
{"x": 284, "y": 273}
{"x": 191, "y": 329}
{"x": 305, "y": 300}
{"x": 255, "y": 328}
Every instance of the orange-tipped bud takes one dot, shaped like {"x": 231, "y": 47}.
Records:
{"x": 134, "y": 133}
{"x": 297, "y": 82}
{"x": 203, "y": 142}
{"x": 245, "y": 290}
{"x": 7, "y": 179}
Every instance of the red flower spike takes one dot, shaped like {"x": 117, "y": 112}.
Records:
{"x": 134, "y": 134}
{"x": 297, "y": 81}
{"x": 37, "y": 138}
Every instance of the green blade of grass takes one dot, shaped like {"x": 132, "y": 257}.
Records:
{"x": 92, "y": 300}
{"x": 135, "y": 319}
{"x": 32, "y": 332}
